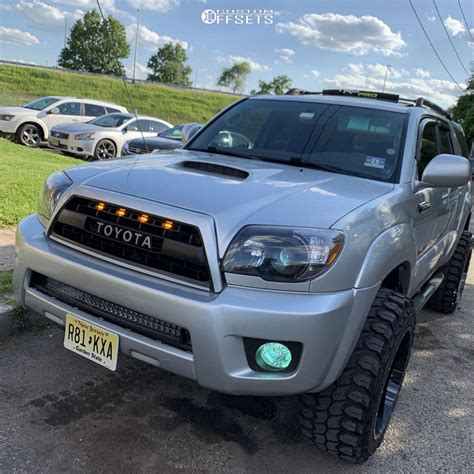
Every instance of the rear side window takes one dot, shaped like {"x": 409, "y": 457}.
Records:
{"x": 93, "y": 110}
{"x": 462, "y": 142}
{"x": 429, "y": 148}
{"x": 446, "y": 144}
{"x": 157, "y": 127}
{"x": 111, "y": 110}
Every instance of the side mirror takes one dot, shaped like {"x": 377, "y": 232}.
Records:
{"x": 54, "y": 111}
{"x": 447, "y": 171}
{"x": 189, "y": 131}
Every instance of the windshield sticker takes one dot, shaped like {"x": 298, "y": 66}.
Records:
{"x": 375, "y": 162}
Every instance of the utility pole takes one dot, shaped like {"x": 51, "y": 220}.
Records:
{"x": 136, "y": 46}
{"x": 197, "y": 75}
{"x": 386, "y": 73}
{"x": 65, "y": 30}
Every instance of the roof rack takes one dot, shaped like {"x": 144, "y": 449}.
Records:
{"x": 420, "y": 102}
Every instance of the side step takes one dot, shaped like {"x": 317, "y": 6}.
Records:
{"x": 427, "y": 290}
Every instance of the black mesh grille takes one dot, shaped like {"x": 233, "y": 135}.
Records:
{"x": 177, "y": 251}
{"x": 59, "y": 135}
{"x": 150, "y": 326}
{"x": 137, "y": 150}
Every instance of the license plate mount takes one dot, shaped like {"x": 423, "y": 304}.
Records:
{"x": 91, "y": 341}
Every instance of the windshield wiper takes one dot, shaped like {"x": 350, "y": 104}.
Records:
{"x": 226, "y": 151}
{"x": 330, "y": 168}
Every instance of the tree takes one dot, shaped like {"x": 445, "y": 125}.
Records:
{"x": 234, "y": 76}
{"x": 168, "y": 65}
{"x": 95, "y": 45}
{"x": 278, "y": 85}
{"x": 463, "y": 112}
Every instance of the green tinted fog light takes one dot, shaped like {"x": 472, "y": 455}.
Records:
{"x": 273, "y": 356}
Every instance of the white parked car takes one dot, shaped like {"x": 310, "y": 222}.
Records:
{"x": 31, "y": 123}
{"x": 104, "y": 137}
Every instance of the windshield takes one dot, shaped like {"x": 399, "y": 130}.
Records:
{"x": 41, "y": 104}
{"x": 174, "y": 133}
{"x": 350, "y": 140}
{"x": 110, "y": 120}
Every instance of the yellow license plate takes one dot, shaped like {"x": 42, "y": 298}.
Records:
{"x": 54, "y": 141}
{"x": 91, "y": 342}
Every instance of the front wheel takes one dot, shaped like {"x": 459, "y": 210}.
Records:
{"x": 350, "y": 417}
{"x": 29, "y": 135}
{"x": 105, "y": 150}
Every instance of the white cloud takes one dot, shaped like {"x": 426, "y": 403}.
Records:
{"x": 41, "y": 16}
{"x": 455, "y": 27}
{"x": 377, "y": 70}
{"x": 150, "y": 39}
{"x": 155, "y": 5}
{"x": 254, "y": 66}
{"x": 441, "y": 91}
{"x": 141, "y": 71}
{"x": 315, "y": 73}
{"x": 285, "y": 54}
{"x": 423, "y": 73}
{"x": 22, "y": 61}
{"x": 345, "y": 33}
{"x": 16, "y": 36}
{"x": 108, "y": 6}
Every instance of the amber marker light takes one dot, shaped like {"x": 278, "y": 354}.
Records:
{"x": 100, "y": 206}
{"x": 121, "y": 212}
{"x": 168, "y": 225}
{"x": 143, "y": 218}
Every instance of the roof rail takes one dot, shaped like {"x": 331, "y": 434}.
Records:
{"x": 422, "y": 102}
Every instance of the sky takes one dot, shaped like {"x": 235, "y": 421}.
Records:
{"x": 317, "y": 43}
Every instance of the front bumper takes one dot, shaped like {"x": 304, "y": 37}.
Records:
{"x": 328, "y": 325}
{"x": 77, "y": 147}
{"x": 9, "y": 127}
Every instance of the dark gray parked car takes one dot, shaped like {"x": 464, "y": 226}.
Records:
{"x": 170, "y": 139}
{"x": 285, "y": 250}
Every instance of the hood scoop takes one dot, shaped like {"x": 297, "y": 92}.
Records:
{"x": 211, "y": 168}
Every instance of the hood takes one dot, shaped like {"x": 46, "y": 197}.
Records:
{"x": 80, "y": 127}
{"x": 263, "y": 193}
{"x": 154, "y": 143}
{"x": 18, "y": 111}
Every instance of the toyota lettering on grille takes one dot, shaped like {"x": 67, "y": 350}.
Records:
{"x": 123, "y": 235}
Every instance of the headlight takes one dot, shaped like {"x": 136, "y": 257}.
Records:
{"x": 84, "y": 136}
{"x": 53, "y": 189}
{"x": 6, "y": 117}
{"x": 282, "y": 254}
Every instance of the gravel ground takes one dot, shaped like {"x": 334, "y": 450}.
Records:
{"x": 60, "y": 412}
{"x": 7, "y": 249}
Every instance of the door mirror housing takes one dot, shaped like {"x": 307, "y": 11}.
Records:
{"x": 447, "y": 171}
{"x": 189, "y": 130}
{"x": 54, "y": 111}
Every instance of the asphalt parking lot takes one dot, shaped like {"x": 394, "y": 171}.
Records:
{"x": 60, "y": 412}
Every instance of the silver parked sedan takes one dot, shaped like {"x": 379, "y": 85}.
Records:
{"x": 104, "y": 137}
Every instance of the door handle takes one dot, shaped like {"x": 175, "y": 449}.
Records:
{"x": 423, "y": 206}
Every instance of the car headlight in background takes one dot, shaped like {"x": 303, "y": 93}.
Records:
{"x": 282, "y": 254}
{"x": 84, "y": 136}
{"x": 7, "y": 117}
{"x": 53, "y": 189}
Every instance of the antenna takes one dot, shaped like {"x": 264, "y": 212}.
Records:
{"x": 134, "y": 111}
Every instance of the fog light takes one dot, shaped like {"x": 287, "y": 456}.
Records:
{"x": 273, "y": 356}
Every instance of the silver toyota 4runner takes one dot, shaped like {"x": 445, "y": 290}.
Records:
{"x": 285, "y": 250}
